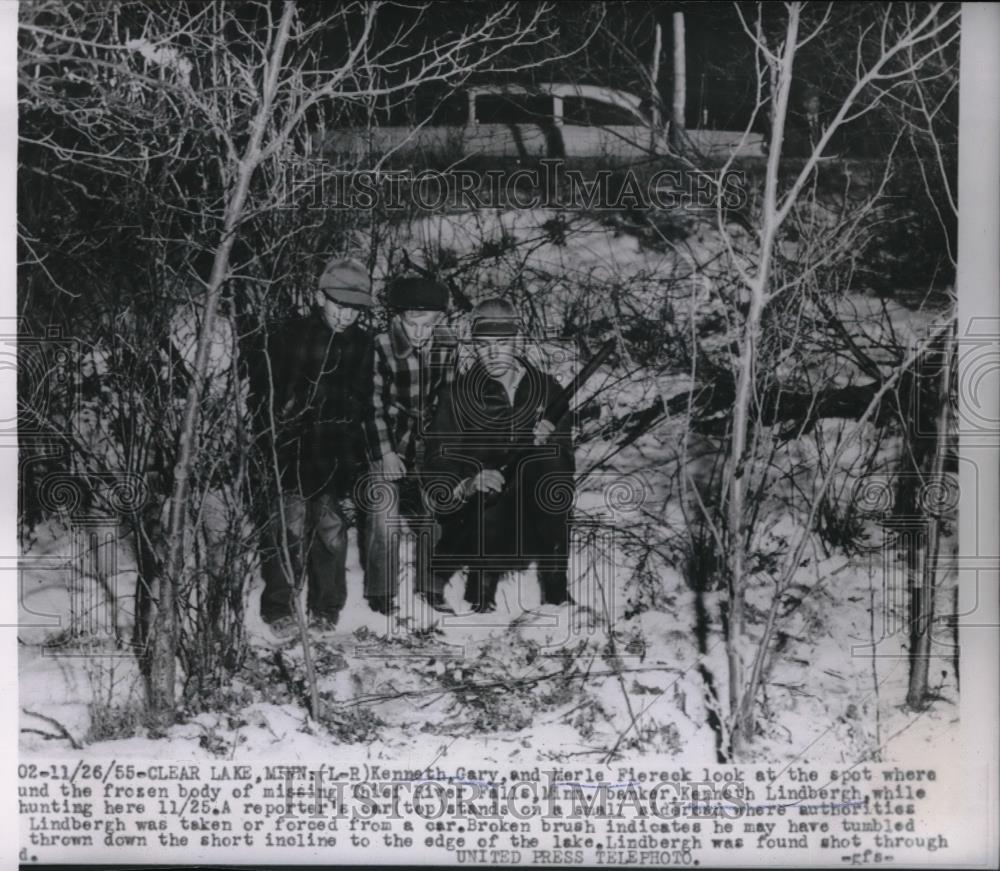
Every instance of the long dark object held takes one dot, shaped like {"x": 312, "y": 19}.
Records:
{"x": 554, "y": 413}
{"x": 558, "y": 407}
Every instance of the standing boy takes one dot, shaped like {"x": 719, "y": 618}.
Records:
{"x": 309, "y": 396}
{"x": 414, "y": 364}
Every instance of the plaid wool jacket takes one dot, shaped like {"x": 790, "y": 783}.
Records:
{"x": 406, "y": 384}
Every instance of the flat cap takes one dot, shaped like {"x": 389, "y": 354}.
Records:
{"x": 346, "y": 281}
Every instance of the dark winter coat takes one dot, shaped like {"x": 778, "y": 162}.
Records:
{"x": 322, "y": 386}
{"x": 475, "y": 428}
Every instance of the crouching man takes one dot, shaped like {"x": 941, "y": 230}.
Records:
{"x": 499, "y": 478}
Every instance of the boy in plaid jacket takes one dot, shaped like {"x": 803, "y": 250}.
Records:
{"x": 414, "y": 363}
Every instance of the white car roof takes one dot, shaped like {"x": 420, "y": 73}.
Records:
{"x": 566, "y": 89}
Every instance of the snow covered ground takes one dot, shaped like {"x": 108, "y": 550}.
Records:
{"x": 633, "y": 668}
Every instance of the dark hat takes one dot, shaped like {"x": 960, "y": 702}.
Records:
{"x": 346, "y": 281}
{"x": 416, "y": 293}
{"x": 494, "y": 318}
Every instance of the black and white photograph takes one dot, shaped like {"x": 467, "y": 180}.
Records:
{"x": 505, "y": 433}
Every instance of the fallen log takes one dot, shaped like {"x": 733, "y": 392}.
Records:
{"x": 798, "y": 411}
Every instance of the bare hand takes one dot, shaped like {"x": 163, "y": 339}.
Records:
{"x": 392, "y": 468}
{"x": 487, "y": 481}
{"x": 543, "y": 429}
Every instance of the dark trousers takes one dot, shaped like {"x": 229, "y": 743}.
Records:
{"x": 490, "y": 540}
{"x": 310, "y": 535}
{"x": 481, "y": 583}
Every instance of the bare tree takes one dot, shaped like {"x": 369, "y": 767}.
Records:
{"x": 679, "y": 104}
{"x": 904, "y": 47}
{"x": 654, "y": 91}
{"x": 225, "y": 95}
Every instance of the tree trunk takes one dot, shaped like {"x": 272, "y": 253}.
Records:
{"x": 655, "y": 116}
{"x": 922, "y": 601}
{"x": 737, "y": 642}
{"x": 677, "y": 125}
{"x": 163, "y": 666}
{"x": 162, "y": 672}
